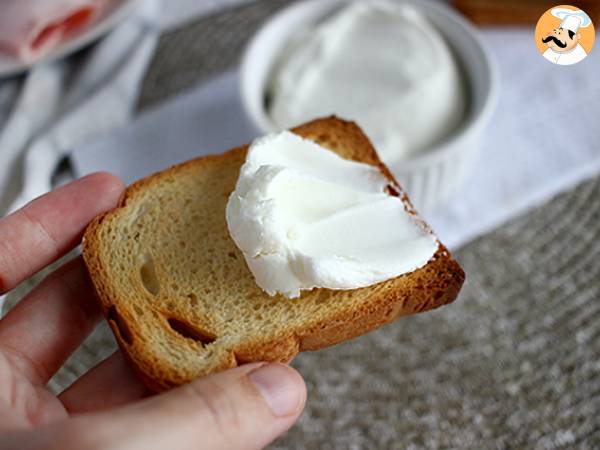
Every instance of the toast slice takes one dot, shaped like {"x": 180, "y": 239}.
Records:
{"x": 180, "y": 299}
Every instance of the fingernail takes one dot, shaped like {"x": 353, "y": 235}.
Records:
{"x": 281, "y": 387}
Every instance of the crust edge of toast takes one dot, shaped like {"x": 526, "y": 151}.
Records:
{"x": 441, "y": 288}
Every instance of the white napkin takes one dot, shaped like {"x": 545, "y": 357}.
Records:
{"x": 55, "y": 113}
{"x": 38, "y": 100}
{"x": 206, "y": 119}
{"x": 543, "y": 139}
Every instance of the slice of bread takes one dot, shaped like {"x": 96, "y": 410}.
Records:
{"x": 180, "y": 299}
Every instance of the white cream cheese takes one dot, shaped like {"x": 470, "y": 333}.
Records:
{"x": 380, "y": 63}
{"x": 305, "y": 217}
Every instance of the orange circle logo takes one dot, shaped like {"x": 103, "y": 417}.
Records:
{"x": 565, "y": 35}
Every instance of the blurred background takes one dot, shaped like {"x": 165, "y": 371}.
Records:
{"x": 498, "y": 147}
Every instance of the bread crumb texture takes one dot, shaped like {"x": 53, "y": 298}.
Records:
{"x": 181, "y": 300}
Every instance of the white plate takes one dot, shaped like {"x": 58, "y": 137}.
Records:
{"x": 116, "y": 12}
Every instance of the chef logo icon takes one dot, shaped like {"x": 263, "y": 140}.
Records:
{"x": 565, "y": 35}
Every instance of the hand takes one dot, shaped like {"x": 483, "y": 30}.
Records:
{"x": 243, "y": 408}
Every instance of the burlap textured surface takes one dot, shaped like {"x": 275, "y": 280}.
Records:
{"x": 513, "y": 363}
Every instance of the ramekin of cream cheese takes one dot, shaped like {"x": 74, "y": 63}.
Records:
{"x": 304, "y": 217}
{"x": 414, "y": 74}
{"x": 379, "y": 63}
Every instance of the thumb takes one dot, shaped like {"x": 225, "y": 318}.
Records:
{"x": 242, "y": 408}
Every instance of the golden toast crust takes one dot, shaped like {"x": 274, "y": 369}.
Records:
{"x": 169, "y": 341}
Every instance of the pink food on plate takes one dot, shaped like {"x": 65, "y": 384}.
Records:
{"x": 29, "y": 29}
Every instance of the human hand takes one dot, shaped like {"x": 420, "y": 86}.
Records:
{"x": 243, "y": 408}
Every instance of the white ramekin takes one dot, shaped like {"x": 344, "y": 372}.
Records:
{"x": 430, "y": 177}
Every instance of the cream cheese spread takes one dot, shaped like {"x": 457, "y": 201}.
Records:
{"x": 304, "y": 217}
{"x": 380, "y": 63}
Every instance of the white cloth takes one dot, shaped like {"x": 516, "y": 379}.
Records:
{"x": 205, "y": 119}
{"x": 566, "y": 58}
{"x": 543, "y": 139}
{"x": 37, "y": 103}
{"x": 71, "y": 110}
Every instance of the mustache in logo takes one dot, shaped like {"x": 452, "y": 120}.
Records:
{"x": 556, "y": 41}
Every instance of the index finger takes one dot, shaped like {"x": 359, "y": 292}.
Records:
{"x": 51, "y": 225}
